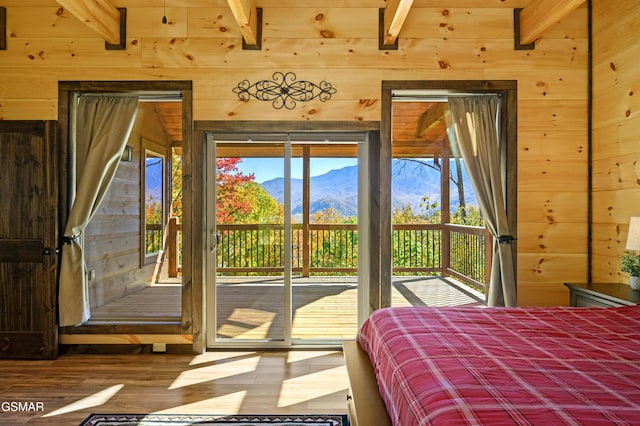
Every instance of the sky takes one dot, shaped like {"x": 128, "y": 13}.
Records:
{"x": 265, "y": 169}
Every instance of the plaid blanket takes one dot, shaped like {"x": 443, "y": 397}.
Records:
{"x": 505, "y": 366}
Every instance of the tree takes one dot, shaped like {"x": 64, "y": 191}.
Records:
{"x": 338, "y": 247}
{"x": 229, "y": 182}
{"x": 429, "y": 213}
{"x": 455, "y": 176}
{"x": 176, "y": 185}
{"x": 262, "y": 207}
{"x": 328, "y": 215}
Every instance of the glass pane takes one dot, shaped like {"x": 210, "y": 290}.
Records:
{"x": 153, "y": 202}
{"x": 324, "y": 288}
{"x": 250, "y": 254}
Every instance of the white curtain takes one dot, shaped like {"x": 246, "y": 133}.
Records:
{"x": 476, "y": 120}
{"x": 104, "y": 126}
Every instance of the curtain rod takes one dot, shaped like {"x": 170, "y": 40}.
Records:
{"x": 434, "y": 95}
{"x": 142, "y": 96}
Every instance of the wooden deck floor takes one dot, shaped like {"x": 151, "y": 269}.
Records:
{"x": 251, "y": 308}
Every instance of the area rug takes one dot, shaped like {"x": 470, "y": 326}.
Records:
{"x": 199, "y": 419}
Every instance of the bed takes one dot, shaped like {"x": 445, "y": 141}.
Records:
{"x": 496, "y": 366}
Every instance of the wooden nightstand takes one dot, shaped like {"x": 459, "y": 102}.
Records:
{"x": 602, "y": 294}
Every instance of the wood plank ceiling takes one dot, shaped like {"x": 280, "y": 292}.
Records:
{"x": 419, "y": 128}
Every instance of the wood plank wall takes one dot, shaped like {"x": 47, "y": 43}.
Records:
{"x": 616, "y": 132}
{"x": 338, "y": 42}
{"x": 113, "y": 237}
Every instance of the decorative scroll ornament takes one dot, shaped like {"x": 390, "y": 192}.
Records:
{"x": 283, "y": 91}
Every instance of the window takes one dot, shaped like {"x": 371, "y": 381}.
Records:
{"x": 154, "y": 203}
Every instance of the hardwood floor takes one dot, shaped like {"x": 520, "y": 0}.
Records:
{"x": 222, "y": 382}
{"x": 65, "y": 391}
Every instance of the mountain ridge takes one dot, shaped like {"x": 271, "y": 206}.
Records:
{"x": 411, "y": 182}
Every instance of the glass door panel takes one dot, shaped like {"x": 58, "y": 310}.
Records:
{"x": 283, "y": 253}
{"x": 325, "y": 289}
{"x": 251, "y": 239}
{"x": 325, "y": 211}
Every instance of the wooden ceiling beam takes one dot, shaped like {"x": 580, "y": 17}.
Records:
{"x": 395, "y": 14}
{"x": 431, "y": 117}
{"x": 99, "y": 15}
{"x": 539, "y": 15}
{"x": 249, "y": 20}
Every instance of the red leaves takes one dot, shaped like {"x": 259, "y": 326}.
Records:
{"x": 229, "y": 181}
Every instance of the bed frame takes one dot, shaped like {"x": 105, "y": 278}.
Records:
{"x": 365, "y": 405}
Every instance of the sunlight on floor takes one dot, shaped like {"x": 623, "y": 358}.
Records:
{"x": 330, "y": 317}
{"x": 219, "y": 356}
{"x": 312, "y": 386}
{"x": 297, "y": 356}
{"x": 216, "y": 371}
{"x": 95, "y": 400}
{"x": 247, "y": 324}
{"x": 228, "y": 404}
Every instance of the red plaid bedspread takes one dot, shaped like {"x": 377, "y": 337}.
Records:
{"x": 505, "y": 366}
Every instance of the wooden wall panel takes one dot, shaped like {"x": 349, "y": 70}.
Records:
{"x": 550, "y": 207}
{"x": 535, "y": 268}
{"x": 149, "y": 22}
{"x": 616, "y": 132}
{"x": 555, "y": 176}
{"x": 556, "y": 145}
{"x": 568, "y": 238}
{"x": 45, "y": 22}
{"x": 338, "y": 42}
{"x": 28, "y": 109}
{"x": 509, "y": 4}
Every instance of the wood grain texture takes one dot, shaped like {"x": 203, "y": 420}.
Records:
{"x": 76, "y": 385}
{"x": 28, "y": 226}
{"x": 467, "y": 39}
{"x": 395, "y": 15}
{"x": 99, "y": 15}
{"x": 540, "y": 15}
{"x": 246, "y": 17}
{"x": 616, "y": 152}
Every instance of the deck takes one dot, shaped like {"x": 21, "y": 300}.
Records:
{"x": 251, "y": 307}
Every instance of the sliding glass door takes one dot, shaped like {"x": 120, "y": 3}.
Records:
{"x": 282, "y": 239}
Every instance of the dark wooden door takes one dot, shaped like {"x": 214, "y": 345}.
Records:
{"x": 28, "y": 235}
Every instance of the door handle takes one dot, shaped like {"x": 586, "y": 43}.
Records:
{"x": 214, "y": 240}
{"x": 46, "y": 251}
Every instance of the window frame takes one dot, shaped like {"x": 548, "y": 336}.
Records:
{"x": 147, "y": 146}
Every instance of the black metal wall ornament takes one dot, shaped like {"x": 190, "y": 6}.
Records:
{"x": 284, "y": 91}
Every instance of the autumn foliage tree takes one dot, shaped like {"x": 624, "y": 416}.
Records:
{"x": 176, "y": 185}
{"x": 229, "y": 183}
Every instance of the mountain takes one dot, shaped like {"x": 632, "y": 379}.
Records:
{"x": 336, "y": 188}
{"x": 411, "y": 181}
{"x": 153, "y": 178}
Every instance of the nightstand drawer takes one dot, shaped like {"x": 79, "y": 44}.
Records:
{"x": 583, "y": 300}
{"x": 603, "y": 295}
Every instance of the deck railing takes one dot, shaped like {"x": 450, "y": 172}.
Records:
{"x": 333, "y": 249}
{"x": 463, "y": 252}
{"x": 468, "y": 243}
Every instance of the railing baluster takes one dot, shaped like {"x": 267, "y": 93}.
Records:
{"x": 334, "y": 248}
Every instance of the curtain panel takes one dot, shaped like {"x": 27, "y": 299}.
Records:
{"x": 476, "y": 124}
{"x": 104, "y": 126}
